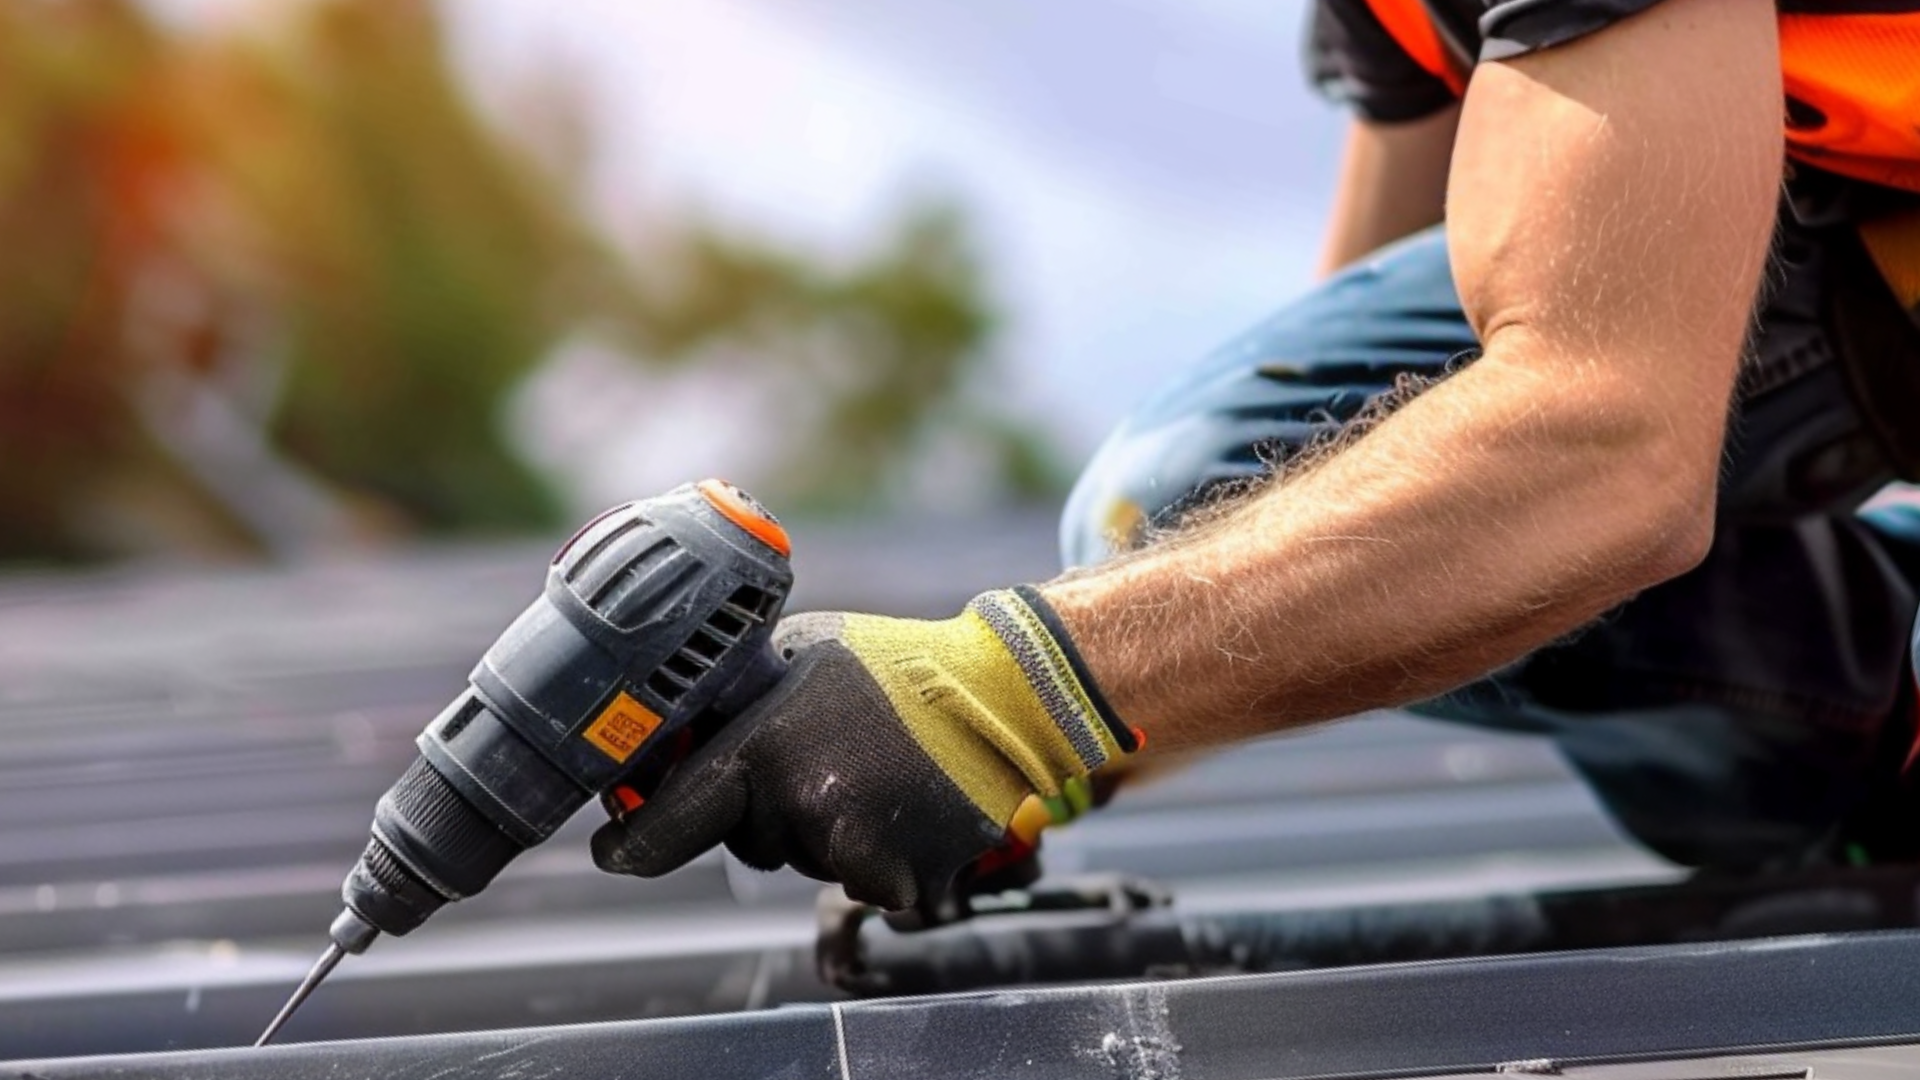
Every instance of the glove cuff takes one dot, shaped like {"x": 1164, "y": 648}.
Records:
{"x": 1127, "y": 737}
{"x": 1033, "y": 636}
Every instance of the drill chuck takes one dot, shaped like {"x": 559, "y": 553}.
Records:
{"x": 430, "y": 845}
{"x": 654, "y": 628}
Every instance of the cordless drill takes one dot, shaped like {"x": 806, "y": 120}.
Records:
{"x": 655, "y": 627}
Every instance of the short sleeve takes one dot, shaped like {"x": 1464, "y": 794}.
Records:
{"x": 1353, "y": 60}
{"x": 1512, "y": 28}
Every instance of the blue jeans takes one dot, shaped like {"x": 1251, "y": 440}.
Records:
{"x": 1733, "y": 717}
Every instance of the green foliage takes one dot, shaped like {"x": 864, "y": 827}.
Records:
{"x": 418, "y": 263}
{"x": 308, "y": 225}
{"x": 889, "y": 343}
{"x": 70, "y": 78}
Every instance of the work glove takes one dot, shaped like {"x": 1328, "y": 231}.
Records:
{"x": 893, "y": 754}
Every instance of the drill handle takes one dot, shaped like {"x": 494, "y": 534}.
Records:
{"x": 652, "y": 769}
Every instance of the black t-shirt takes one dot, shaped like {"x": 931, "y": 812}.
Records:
{"x": 1354, "y": 58}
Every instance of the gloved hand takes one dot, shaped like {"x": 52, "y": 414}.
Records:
{"x": 894, "y": 753}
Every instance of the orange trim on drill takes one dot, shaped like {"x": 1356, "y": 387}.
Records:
{"x": 1853, "y": 83}
{"x": 1412, "y": 28}
{"x": 749, "y": 515}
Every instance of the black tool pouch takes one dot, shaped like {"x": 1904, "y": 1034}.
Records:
{"x": 1873, "y": 316}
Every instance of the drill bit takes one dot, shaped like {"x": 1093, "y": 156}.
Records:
{"x": 327, "y": 962}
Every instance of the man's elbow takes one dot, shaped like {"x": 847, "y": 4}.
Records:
{"x": 1641, "y": 462}
{"x": 1670, "y": 497}
{"x": 1679, "y": 538}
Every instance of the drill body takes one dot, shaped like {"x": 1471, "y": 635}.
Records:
{"x": 654, "y": 628}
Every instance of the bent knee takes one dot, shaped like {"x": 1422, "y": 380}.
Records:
{"x": 1142, "y": 477}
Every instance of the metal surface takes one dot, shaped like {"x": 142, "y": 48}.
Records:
{"x": 513, "y": 975}
{"x": 1553, "y": 1012}
{"x": 1864, "y": 1063}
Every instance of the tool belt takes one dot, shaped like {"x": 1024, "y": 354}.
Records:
{"x": 1874, "y": 318}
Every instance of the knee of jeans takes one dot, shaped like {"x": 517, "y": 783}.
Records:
{"x": 1146, "y": 473}
{"x": 1105, "y": 513}
{"x": 1217, "y": 426}
{"x": 1303, "y": 372}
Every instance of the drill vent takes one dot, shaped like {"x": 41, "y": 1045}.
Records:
{"x": 632, "y": 575}
{"x": 747, "y": 608}
{"x": 573, "y": 557}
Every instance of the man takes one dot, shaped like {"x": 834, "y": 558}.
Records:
{"x": 1413, "y": 485}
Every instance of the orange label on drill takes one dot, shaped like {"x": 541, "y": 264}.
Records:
{"x": 621, "y": 727}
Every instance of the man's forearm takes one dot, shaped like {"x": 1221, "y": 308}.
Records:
{"x": 1607, "y": 232}
{"x": 1492, "y": 514}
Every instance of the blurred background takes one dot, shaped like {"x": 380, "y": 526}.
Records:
{"x": 322, "y": 321}
{"x": 292, "y": 276}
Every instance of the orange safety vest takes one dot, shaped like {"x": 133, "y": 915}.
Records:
{"x": 1852, "y": 82}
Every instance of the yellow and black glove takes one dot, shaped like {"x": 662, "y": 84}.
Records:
{"x": 893, "y": 754}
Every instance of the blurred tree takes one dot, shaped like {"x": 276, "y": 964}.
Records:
{"x": 73, "y": 84}
{"x": 891, "y": 346}
{"x": 271, "y": 289}
{"x": 414, "y": 265}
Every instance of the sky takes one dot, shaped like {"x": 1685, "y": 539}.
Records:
{"x": 1145, "y": 177}
{"x": 1148, "y": 176}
